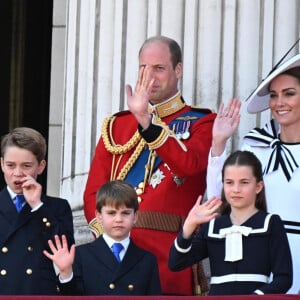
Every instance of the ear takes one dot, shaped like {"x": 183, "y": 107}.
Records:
{"x": 42, "y": 166}
{"x": 98, "y": 216}
{"x": 2, "y": 164}
{"x": 178, "y": 70}
{"x": 135, "y": 217}
{"x": 259, "y": 187}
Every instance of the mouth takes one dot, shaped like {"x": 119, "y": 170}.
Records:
{"x": 18, "y": 184}
{"x": 236, "y": 198}
{"x": 118, "y": 227}
{"x": 282, "y": 112}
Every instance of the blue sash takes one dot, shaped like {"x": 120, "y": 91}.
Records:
{"x": 178, "y": 125}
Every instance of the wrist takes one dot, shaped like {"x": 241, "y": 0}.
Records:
{"x": 218, "y": 146}
{"x": 144, "y": 120}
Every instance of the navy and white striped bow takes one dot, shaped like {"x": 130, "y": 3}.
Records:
{"x": 280, "y": 155}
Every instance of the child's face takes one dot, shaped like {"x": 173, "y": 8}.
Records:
{"x": 117, "y": 222}
{"x": 18, "y": 163}
{"x": 240, "y": 187}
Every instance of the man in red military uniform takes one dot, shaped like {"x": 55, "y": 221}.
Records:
{"x": 160, "y": 146}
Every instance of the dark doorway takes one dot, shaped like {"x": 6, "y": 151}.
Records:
{"x": 25, "y": 60}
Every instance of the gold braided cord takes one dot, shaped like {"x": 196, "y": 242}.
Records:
{"x": 114, "y": 167}
{"x": 138, "y": 150}
{"x": 110, "y": 146}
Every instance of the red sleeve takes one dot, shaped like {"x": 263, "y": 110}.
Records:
{"x": 98, "y": 175}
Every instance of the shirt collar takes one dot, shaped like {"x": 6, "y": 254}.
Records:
{"x": 109, "y": 241}
{"x": 11, "y": 193}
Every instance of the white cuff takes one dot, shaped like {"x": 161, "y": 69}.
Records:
{"x": 65, "y": 280}
{"x": 181, "y": 250}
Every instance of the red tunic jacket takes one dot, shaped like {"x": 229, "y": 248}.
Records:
{"x": 164, "y": 206}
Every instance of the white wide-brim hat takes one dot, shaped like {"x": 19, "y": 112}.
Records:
{"x": 259, "y": 100}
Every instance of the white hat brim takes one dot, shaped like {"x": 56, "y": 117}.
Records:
{"x": 259, "y": 100}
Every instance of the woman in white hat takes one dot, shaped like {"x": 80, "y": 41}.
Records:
{"x": 277, "y": 146}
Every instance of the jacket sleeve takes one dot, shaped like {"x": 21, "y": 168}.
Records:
{"x": 214, "y": 175}
{"x": 280, "y": 258}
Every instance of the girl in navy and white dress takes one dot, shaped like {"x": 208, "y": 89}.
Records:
{"x": 277, "y": 146}
{"x": 247, "y": 247}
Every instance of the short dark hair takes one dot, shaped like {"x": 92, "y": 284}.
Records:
{"x": 249, "y": 159}
{"x": 25, "y": 138}
{"x": 175, "y": 50}
{"x": 117, "y": 193}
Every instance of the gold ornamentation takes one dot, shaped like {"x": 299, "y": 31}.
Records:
{"x": 114, "y": 149}
{"x": 110, "y": 145}
{"x": 169, "y": 107}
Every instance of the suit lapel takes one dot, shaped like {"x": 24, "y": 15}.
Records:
{"x": 12, "y": 220}
{"x": 132, "y": 257}
{"x": 102, "y": 253}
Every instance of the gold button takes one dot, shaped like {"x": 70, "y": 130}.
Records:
{"x": 45, "y": 220}
{"x": 130, "y": 287}
{"x": 29, "y": 248}
{"x": 4, "y": 249}
{"x": 112, "y": 286}
{"x": 3, "y": 272}
{"x": 28, "y": 271}
{"x": 48, "y": 224}
{"x": 139, "y": 199}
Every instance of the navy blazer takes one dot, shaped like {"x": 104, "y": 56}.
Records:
{"x": 97, "y": 272}
{"x": 24, "y": 270}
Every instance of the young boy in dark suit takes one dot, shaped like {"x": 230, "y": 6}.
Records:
{"x": 96, "y": 269}
{"x": 28, "y": 219}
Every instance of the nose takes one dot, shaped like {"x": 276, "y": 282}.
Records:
{"x": 119, "y": 218}
{"x": 19, "y": 172}
{"x": 280, "y": 100}
{"x": 236, "y": 188}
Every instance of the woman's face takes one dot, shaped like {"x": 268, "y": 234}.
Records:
{"x": 285, "y": 100}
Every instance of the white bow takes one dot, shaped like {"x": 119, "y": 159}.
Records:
{"x": 233, "y": 242}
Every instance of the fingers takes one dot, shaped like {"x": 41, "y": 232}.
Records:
{"x": 213, "y": 203}
{"x": 199, "y": 199}
{"x": 145, "y": 79}
{"x": 128, "y": 90}
{"x": 231, "y": 110}
{"x": 59, "y": 244}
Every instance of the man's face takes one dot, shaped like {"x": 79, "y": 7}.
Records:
{"x": 156, "y": 57}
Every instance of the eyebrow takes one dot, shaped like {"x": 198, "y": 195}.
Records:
{"x": 284, "y": 90}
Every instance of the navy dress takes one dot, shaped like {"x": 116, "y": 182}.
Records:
{"x": 264, "y": 250}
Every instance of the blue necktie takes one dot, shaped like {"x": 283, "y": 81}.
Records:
{"x": 20, "y": 200}
{"x": 117, "y": 248}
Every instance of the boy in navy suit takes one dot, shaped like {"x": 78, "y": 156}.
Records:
{"x": 96, "y": 269}
{"x": 28, "y": 219}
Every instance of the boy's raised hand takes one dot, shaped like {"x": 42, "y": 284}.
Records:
{"x": 61, "y": 256}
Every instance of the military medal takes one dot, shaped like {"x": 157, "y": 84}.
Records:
{"x": 186, "y": 133}
{"x": 156, "y": 178}
{"x": 177, "y": 180}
